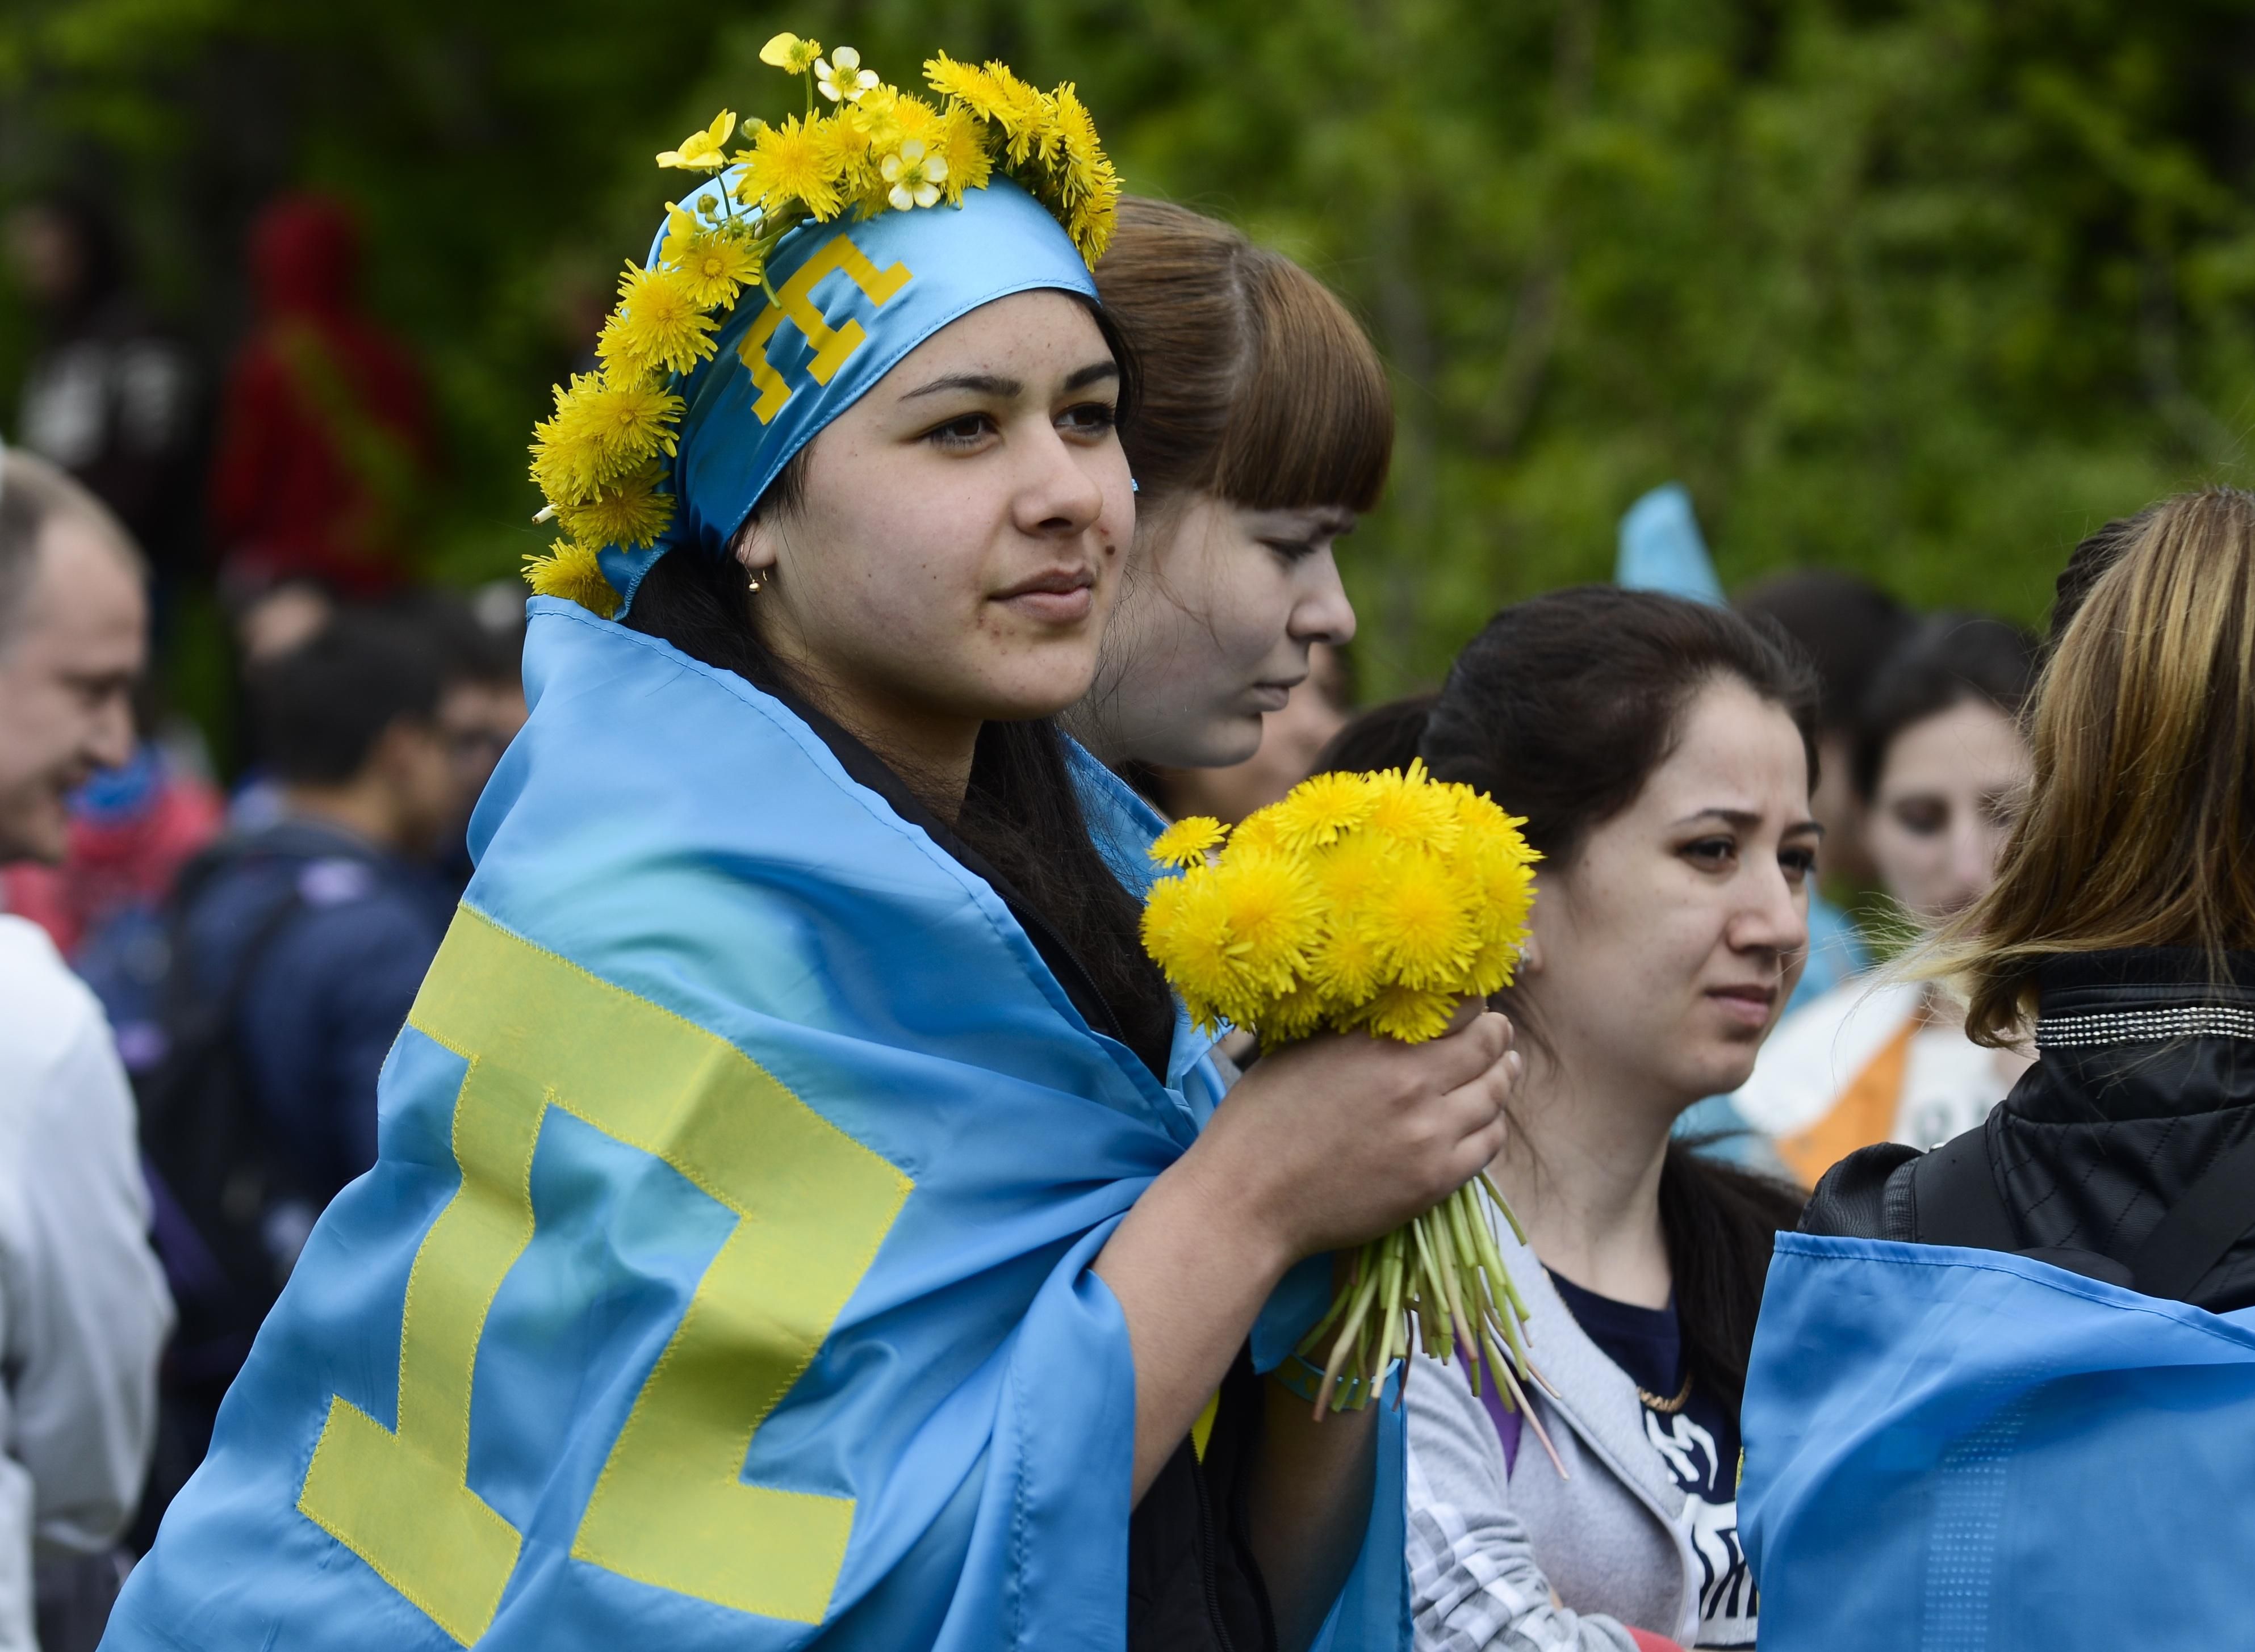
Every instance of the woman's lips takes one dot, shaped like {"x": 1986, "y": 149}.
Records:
{"x": 1749, "y": 1005}
{"x": 1061, "y": 597}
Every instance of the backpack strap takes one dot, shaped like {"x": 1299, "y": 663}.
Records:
{"x": 2209, "y": 1217}
{"x": 1955, "y": 1200}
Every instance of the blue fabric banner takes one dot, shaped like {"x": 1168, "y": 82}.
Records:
{"x": 723, "y": 1279}
{"x": 1964, "y": 1451}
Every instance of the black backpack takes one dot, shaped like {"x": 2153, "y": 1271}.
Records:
{"x": 214, "y": 1171}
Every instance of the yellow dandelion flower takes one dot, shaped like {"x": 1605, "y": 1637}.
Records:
{"x": 797, "y": 163}
{"x": 659, "y": 325}
{"x": 1256, "y": 832}
{"x": 1268, "y": 902}
{"x": 1349, "y": 964}
{"x": 1186, "y": 841}
{"x": 962, "y": 143}
{"x": 1087, "y": 183}
{"x": 571, "y": 571}
{"x": 631, "y": 513}
{"x": 1411, "y": 1014}
{"x": 701, "y": 151}
{"x": 1411, "y": 808}
{"x": 714, "y": 269}
{"x": 790, "y": 53}
{"x": 908, "y": 117}
{"x": 1186, "y": 932}
{"x": 1420, "y": 921}
{"x": 1355, "y": 868}
{"x": 1317, "y": 811}
{"x": 842, "y": 78}
{"x": 1026, "y": 117}
{"x": 1303, "y": 1011}
{"x": 599, "y": 432}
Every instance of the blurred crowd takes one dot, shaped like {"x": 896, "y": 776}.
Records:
{"x": 249, "y": 941}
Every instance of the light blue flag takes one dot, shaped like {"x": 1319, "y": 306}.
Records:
{"x": 723, "y": 1279}
{"x": 1660, "y": 548}
{"x": 1963, "y": 1450}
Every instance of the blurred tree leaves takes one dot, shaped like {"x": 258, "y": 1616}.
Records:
{"x": 1926, "y": 289}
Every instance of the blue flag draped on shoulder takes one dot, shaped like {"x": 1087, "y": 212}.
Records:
{"x": 1963, "y": 1450}
{"x": 722, "y": 1282}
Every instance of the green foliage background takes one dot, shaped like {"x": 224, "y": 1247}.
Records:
{"x": 1926, "y": 289}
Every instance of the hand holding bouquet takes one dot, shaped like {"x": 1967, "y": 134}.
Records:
{"x": 1378, "y": 903}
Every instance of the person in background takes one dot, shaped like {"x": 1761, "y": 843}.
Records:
{"x": 1660, "y": 749}
{"x": 133, "y": 829}
{"x": 109, "y": 396}
{"x": 83, "y": 1308}
{"x": 325, "y": 920}
{"x": 1849, "y": 628}
{"x": 325, "y": 450}
{"x": 1251, "y": 460}
{"x": 2025, "y": 1421}
{"x": 1938, "y": 766}
{"x": 480, "y": 700}
{"x": 1380, "y": 737}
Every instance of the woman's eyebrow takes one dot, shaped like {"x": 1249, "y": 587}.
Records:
{"x": 1091, "y": 373}
{"x": 978, "y": 384}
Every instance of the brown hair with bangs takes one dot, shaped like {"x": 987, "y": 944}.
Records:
{"x": 1258, "y": 386}
{"x": 2138, "y": 826}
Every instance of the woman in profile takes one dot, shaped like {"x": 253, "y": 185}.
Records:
{"x": 2030, "y": 1419}
{"x": 1254, "y": 454}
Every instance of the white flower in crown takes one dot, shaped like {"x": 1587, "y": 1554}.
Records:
{"x": 842, "y": 76}
{"x": 914, "y": 176}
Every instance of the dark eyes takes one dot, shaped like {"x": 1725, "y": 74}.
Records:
{"x": 1719, "y": 854}
{"x": 1084, "y": 421}
{"x": 1088, "y": 418}
{"x": 1921, "y": 816}
{"x": 1292, "y": 550}
{"x": 966, "y": 431}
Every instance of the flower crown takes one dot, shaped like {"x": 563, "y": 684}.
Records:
{"x": 599, "y": 458}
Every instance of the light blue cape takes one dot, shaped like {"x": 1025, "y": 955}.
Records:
{"x": 1963, "y": 1450}
{"x": 857, "y": 295}
{"x": 723, "y": 1278}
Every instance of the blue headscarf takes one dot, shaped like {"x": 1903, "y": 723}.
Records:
{"x": 856, "y": 297}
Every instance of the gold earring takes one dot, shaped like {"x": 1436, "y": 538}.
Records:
{"x": 756, "y": 582}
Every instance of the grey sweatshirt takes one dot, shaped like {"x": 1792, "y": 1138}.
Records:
{"x": 1489, "y": 1545}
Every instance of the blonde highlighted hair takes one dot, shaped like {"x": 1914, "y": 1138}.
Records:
{"x": 2139, "y": 827}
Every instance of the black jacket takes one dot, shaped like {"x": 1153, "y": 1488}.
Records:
{"x": 2144, "y": 1080}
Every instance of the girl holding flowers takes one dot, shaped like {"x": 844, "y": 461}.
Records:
{"x": 1661, "y": 752}
{"x": 802, "y": 1217}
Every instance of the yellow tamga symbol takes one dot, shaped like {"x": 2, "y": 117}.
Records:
{"x": 833, "y": 346}
{"x": 671, "y": 1507}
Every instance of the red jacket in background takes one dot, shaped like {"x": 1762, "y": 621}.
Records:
{"x": 326, "y": 449}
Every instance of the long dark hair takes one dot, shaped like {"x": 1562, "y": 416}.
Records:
{"x": 1020, "y": 814}
{"x": 1947, "y": 661}
{"x": 1561, "y": 709}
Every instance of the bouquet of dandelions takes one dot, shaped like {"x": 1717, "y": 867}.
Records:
{"x": 1377, "y": 902}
